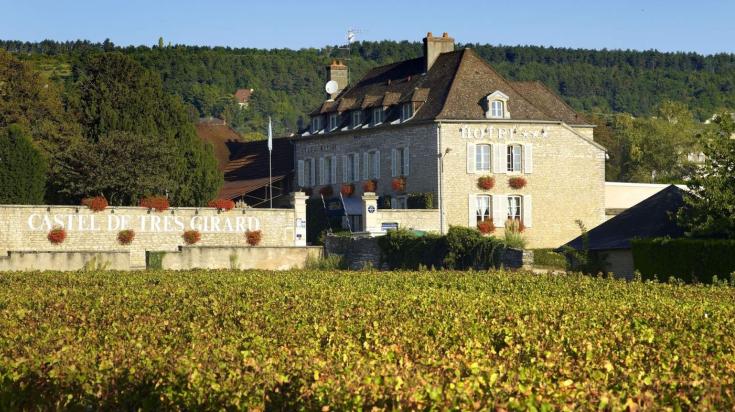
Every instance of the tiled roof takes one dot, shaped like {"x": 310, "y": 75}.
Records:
{"x": 454, "y": 88}
{"x": 243, "y": 95}
{"x": 222, "y": 138}
{"x": 248, "y": 169}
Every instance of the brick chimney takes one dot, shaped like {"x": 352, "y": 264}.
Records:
{"x": 434, "y": 46}
{"x": 337, "y": 71}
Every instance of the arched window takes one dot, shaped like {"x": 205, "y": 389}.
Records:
{"x": 483, "y": 210}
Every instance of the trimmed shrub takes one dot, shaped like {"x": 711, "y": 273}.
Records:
{"x": 692, "y": 260}
{"x": 95, "y": 204}
{"x": 191, "y": 237}
{"x": 57, "y": 235}
{"x": 222, "y": 204}
{"x": 157, "y": 203}
{"x": 420, "y": 200}
{"x": 253, "y": 237}
{"x": 125, "y": 237}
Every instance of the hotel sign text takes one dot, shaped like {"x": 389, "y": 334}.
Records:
{"x": 143, "y": 223}
{"x": 502, "y": 133}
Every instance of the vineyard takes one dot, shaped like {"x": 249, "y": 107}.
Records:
{"x": 213, "y": 340}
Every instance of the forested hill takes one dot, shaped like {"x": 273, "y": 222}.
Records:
{"x": 289, "y": 83}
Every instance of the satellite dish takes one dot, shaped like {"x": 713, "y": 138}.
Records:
{"x": 331, "y": 87}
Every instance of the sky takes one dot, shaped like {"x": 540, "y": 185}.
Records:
{"x": 704, "y": 26}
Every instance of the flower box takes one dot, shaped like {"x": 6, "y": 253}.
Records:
{"x": 517, "y": 182}
{"x": 253, "y": 237}
{"x": 191, "y": 237}
{"x": 222, "y": 204}
{"x": 125, "y": 237}
{"x": 57, "y": 235}
{"x": 95, "y": 204}
{"x": 486, "y": 226}
{"x": 157, "y": 203}
{"x": 486, "y": 182}
{"x": 370, "y": 186}
{"x": 398, "y": 184}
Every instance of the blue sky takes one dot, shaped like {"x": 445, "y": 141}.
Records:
{"x": 705, "y": 26}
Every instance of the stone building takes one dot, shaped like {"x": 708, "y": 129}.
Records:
{"x": 437, "y": 124}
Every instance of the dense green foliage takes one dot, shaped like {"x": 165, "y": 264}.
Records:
{"x": 222, "y": 340}
{"x": 548, "y": 259}
{"x": 460, "y": 248}
{"x": 420, "y": 200}
{"x": 710, "y": 200}
{"x": 22, "y": 168}
{"x": 691, "y": 260}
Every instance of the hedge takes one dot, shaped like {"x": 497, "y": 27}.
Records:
{"x": 420, "y": 201}
{"x": 692, "y": 260}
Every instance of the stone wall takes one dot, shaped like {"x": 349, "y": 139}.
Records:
{"x": 64, "y": 261}
{"x": 356, "y": 252}
{"x": 239, "y": 258}
{"x": 418, "y": 219}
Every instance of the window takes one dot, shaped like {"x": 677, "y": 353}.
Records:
{"x": 482, "y": 157}
{"x": 326, "y": 171}
{"x": 483, "y": 208}
{"x": 399, "y": 202}
{"x": 400, "y": 163}
{"x": 356, "y": 118}
{"x": 373, "y": 164}
{"x": 497, "y": 109}
{"x": 377, "y": 115}
{"x": 316, "y": 124}
{"x": 309, "y": 178}
{"x": 406, "y": 111}
{"x": 351, "y": 170}
{"x": 515, "y": 207}
{"x": 515, "y": 153}
{"x": 333, "y": 118}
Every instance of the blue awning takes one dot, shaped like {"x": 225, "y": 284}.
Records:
{"x": 353, "y": 205}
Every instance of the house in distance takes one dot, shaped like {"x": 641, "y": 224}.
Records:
{"x": 487, "y": 149}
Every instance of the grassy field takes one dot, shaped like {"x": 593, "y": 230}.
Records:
{"x": 211, "y": 340}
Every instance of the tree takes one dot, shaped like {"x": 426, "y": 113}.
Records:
{"x": 22, "y": 168}
{"x": 121, "y": 166}
{"x": 709, "y": 209}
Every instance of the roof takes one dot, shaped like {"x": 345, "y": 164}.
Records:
{"x": 243, "y": 95}
{"x": 222, "y": 138}
{"x": 248, "y": 169}
{"x": 653, "y": 217}
{"x": 454, "y": 88}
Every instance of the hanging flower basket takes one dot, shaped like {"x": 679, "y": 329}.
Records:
{"x": 222, "y": 204}
{"x": 157, "y": 203}
{"x": 347, "y": 189}
{"x": 370, "y": 186}
{"x": 253, "y": 237}
{"x": 326, "y": 191}
{"x": 95, "y": 204}
{"x": 57, "y": 235}
{"x": 125, "y": 237}
{"x": 486, "y": 182}
{"x": 398, "y": 184}
{"x": 486, "y": 226}
{"x": 517, "y": 182}
{"x": 191, "y": 237}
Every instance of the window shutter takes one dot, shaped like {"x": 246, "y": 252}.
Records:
{"x": 377, "y": 164}
{"x": 472, "y": 211}
{"x": 528, "y": 158}
{"x": 345, "y": 169}
{"x": 500, "y": 210}
{"x": 300, "y": 173}
{"x": 322, "y": 174}
{"x": 527, "y": 214}
{"x": 313, "y": 172}
{"x": 471, "y": 157}
{"x": 333, "y": 172}
{"x": 500, "y": 158}
{"x": 394, "y": 163}
{"x": 356, "y": 167}
{"x": 406, "y": 162}
{"x": 365, "y": 164}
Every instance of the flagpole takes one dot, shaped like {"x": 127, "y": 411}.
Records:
{"x": 270, "y": 168}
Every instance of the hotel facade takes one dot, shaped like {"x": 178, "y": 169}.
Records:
{"x": 487, "y": 149}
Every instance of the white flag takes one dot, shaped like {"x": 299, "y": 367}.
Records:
{"x": 270, "y": 135}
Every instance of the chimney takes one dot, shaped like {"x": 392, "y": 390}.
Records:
{"x": 337, "y": 71}
{"x": 434, "y": 46}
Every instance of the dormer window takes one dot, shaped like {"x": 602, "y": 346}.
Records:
{"x": 497, "y": 106}
{"x": 316, "y": 124}
{"x": 356, "y": 118}
{"x": 377, "y": 115}
{"x": 333, "y": 121}
{"x": 406, "y": 111}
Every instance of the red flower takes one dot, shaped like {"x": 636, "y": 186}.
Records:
{"x": 326, "y": 191}
{"x": 222, "y": 204}
{"x": 191, "y": 237}
{"x": 398, "y": 184}
{"x": 253, "y": 237}
{"x": 517, "y": 182}
{"x": 157, "y": 203}
{"x": 486, "y": 182}
{"x": 370, "y": 186}
{"x": 486, "y": 226}
{"x": 57, "y": 235}
{"x": 95, "y": 204}
{"x": 347, "y": 189}
{"x": 125, "y": 237}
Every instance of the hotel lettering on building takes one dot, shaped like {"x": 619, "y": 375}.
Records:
{"x": 446, "y": 119}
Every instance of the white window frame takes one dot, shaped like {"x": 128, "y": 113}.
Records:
{"x": 356, "y": 118}
{"x": 497, "y": 105}
{"x": 373, "y": 164}
{"x": 333, "y": 121}
{"x": 514, "y": 158}
{"x": 309, "y": 172}
{"x": 403, "y": 161}
{"x": 497, "y": 109}
{"x": 316, "y": 124}
{"x": 480, "y": 202}
{"x": 326, "y": 170}
{"x": 351, "y": 168}
{"x": 378, "y": 114}
{"x": 406, "y": 111}
{"x": 483, "y": 158}
{"x": 515, "y": 207}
